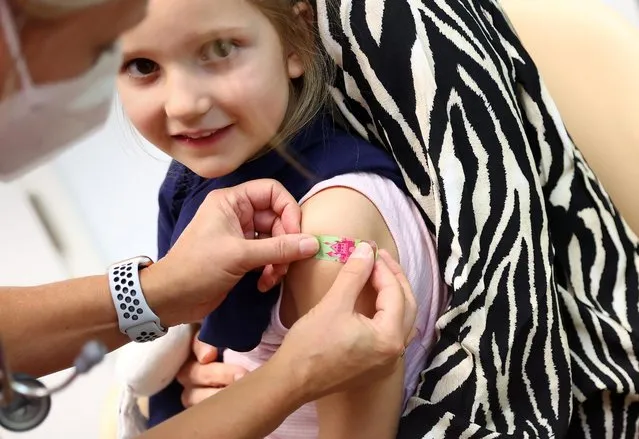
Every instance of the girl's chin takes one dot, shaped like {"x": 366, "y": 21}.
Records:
{"x": 210, "y": 168}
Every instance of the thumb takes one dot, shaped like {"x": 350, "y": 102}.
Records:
{"x": 204, "y": 353}
{"x": 352, "y": 277}
{"x": 282, "y": 249}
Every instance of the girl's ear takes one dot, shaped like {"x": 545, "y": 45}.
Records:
{"x": 303, "y": 12}
{"x": 294, "y": 65}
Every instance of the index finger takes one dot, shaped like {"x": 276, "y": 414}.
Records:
{"x": 270, "y": 195}
{"x": 410, "y": 305}
{"x": 267, "y": 223}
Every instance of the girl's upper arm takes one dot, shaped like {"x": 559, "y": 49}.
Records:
{"x": 337, "y": 211}
{"x": 371, "y": 411}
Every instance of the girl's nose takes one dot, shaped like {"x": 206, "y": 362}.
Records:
{"x": 186, "y": 98}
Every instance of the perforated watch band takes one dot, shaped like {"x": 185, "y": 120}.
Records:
{"x": 135, "y": 318}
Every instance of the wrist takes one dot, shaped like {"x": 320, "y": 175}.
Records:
{"x": 157, "y": 292}
{"x": 295, "y": 378}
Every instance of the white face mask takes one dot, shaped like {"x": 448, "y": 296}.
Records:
{"x": 39, "y": 120}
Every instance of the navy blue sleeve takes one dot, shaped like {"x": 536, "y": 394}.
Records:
{"x": 173, "y": 191}
{"x": 165, "y": 221}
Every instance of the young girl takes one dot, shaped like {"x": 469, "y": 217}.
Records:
{"x": 225, "y": 87}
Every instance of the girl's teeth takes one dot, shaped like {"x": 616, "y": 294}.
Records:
{"x": 199, "y": 136}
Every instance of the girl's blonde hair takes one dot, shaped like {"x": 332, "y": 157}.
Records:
{"x": 296, "y": 25}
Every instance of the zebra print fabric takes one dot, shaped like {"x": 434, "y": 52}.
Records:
{"x": 540, "y": 338}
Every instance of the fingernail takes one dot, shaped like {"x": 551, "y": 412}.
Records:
{"x": 309, "y": 246}
{"x": 238, "y": 376}
{"x": 362, "y": 251}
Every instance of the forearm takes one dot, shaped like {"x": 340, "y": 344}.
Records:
{"x": 361, "y": 413}
{"x": 44, "y": 327}
{"x": 249, "y": 409}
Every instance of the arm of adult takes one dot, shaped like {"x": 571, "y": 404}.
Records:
{"x": 588, "y": 56}
{"x": 44, "y": 327}
{"x": 328, "y": 350}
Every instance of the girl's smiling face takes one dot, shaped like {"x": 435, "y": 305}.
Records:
{"x": 206, "y": 81}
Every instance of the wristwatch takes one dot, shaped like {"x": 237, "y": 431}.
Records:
{"x": 135, "y": 318}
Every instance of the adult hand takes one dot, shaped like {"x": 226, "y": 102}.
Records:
{"x": 217, "y": 249}
{"x": 333, "y": 347}
{"x": 202, "y": 377}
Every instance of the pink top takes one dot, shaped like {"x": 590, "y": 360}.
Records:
{"x": 418, "y": 259}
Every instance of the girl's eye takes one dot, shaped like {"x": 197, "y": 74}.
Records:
{"x": 218, "y": 49}
{"x": 140, "y": 67}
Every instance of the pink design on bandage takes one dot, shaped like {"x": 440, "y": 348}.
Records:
{"x": 341, "y": 249}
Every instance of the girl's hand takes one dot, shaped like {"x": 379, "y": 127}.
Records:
{"x": 202, "y": 377}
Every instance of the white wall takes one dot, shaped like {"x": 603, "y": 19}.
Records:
{"x": 113, "y": 178}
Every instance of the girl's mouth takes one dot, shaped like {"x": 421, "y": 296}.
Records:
{"x": 203, "y": 138}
